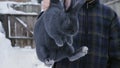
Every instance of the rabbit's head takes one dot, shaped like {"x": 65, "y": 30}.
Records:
{"x": 69, "y": 23}
{"x": 61, "y": 18}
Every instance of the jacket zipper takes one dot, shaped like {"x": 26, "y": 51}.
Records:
{"x": 86, "y": 24}
{"x": 86, "y": 29}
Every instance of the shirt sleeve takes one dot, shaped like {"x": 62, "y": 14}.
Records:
{"x": 114, "y": 48}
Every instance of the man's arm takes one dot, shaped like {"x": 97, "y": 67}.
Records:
{"x": 114, "y": 49}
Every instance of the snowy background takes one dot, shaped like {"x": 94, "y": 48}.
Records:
{"x": 16, "y": 57}
{"x": 6, "y": 7}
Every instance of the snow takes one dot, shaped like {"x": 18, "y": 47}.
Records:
{"x": 5, "y": 7}
{"x": 34, "y": 1}
{"x": 1, "y": 28}
{"x": 15, "y": 57}
{"x": 111, "y": 2}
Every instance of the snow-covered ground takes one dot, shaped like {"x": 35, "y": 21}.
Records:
{"x": 17, "y": 57}
{"x": 6, "y": 7}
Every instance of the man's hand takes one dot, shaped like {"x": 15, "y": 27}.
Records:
{"x": 45, "y": 4}
{"x": 49, "y": 62}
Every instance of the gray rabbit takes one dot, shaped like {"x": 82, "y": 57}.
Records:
{"x": 54, "y": 31}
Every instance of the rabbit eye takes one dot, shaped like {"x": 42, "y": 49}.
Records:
{"x": 67, "y": 22}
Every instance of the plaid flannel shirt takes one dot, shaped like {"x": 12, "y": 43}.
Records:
{"x": 100, "y": 31}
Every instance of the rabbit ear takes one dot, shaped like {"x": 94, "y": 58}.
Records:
{"x": 67, "y": 4}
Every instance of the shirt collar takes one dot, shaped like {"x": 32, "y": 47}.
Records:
{"x": 91, "y": 4}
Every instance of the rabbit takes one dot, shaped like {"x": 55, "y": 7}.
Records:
{"x": 63, "y": 23}
{"x": 54, "y": 31}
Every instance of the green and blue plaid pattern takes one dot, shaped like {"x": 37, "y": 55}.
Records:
{"x": 100, "y": 31}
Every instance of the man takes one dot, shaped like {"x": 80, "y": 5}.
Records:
{"x": 100, "y": 31}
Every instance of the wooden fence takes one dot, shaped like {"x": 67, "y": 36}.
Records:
{"x": 19, "y": 28}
